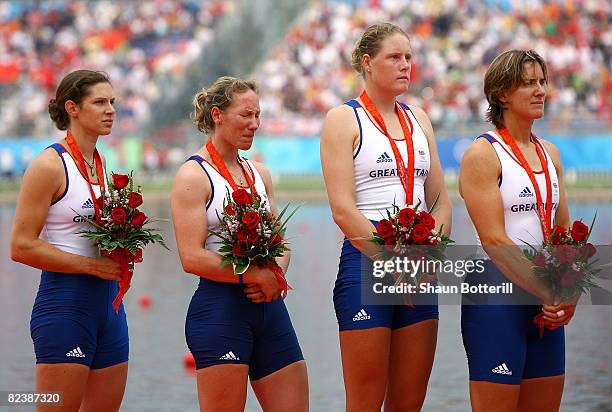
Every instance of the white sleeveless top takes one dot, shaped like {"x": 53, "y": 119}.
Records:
{"x": 63, "y": 223}
{"x": 518, "y": 194}
{"x": 377, "y": 184}
{"x": 219, "y": 190}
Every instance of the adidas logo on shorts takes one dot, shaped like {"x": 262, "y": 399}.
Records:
{"x": 76, "y": 353}
{"x": 383, "y": 158}
{"x": 361, "y": 315}
{"x": 229, "y": 356}
{"x": 502, "y": 370}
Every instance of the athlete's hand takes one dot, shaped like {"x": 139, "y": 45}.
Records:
{"x": 106, "y": 268}
{"x": 265, "y": 279}
{"x": 558, "y": 315}
{"x": 254, "y": 293}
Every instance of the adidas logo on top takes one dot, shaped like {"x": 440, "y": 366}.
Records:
{"x": 502, "y": 370}
{"x": 361, "y": 315}
{"x": 88, "y": 204}
{"x": 526, "y": 192}
{"x": 229, "y": 356}
{"x": 76, "y": 353}
{"x": 384, "y": 158}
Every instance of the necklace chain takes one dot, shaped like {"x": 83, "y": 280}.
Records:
{"x": 239, "y": 178}
{"x": 91, "y": 166}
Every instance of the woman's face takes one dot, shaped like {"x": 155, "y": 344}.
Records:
{"x": 390, "y": 68}
{"x": 527, "y": 99}
{"x": 96, "y": 113}
{"x": 240, "y": 120}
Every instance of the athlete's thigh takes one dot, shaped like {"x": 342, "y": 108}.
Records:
{"x": 494, "y": 338}
{"x": 68, "y": 378}
{"x": 222, "y": 387}
{"x": 105, "y": 388}
{"x": 541, "y": 394}
{"x": 293, "y": 379}
{"x": 275, "y": 342}
{"x": 412, "y": 353}
{"x": 365, "y": 364}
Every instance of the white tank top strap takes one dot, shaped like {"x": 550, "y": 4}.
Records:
{"x": 377, "y": 184}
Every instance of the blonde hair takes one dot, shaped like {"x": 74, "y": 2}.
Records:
{"x": 370, "y": 43}
{"x": 220, "y": 94}
{"x": 504, "y": 74}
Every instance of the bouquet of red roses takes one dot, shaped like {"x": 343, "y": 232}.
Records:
{"x": 249, "y": 233}
{"x": 565, "y": 262}
{"x": 411, "y": 233}
{"x": 120, "y": 231}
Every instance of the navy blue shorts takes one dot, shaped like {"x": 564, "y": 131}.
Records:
{"x": 502, "y": 343}
{"x": 352, "y": 314}
{"x": 73, "y": 321}
{"x": 224, "y": 327}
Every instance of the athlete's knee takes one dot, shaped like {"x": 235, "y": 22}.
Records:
{"x": 361, "y": 404}
{"x": 405, "y": 404}
{"x": 106, "y": 405}
{"x": 365, "y": 398}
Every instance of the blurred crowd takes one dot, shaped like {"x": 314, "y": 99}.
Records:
{"x": 453, "y": 41}
{"x": 146, "y": 46}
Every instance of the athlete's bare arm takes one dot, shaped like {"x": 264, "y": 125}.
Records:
{"x": 340, "y": 135}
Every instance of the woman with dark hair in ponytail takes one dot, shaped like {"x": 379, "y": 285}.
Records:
{"x": 81, "y": 344}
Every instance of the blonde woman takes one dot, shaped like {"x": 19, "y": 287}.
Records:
{"x": 376, "y": 151}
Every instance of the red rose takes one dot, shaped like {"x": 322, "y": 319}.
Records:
{"x": 120, "y": 181}
{"x": 419, "y": 233}
{"x": 566, "y": 253}
{"x": 134, "y": 200}
{"x": 580, "y": 231}
{"x": 587, "y": 251}
{"x": 406, "y": 216}
{"x": 138, "y": 218}
{"x": 242, "y": 197}
{"x": 540, "y": 260}
{"x": 276, "y": 240}
{"x": 558, "y": 236}
{"x": 138, "y": 255}
{"x": 242, "y": 235}
{"x": 252, "y": 237}
{"x": 229, "y": 210}
{"x": 385, "y": 229}
{"x": 119, "y": 215}
{"x": 569, "y": 279}
{"x": 251, "y": 219}
{"x": 238, "y": 250}
{"x": 427, "y": 220}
